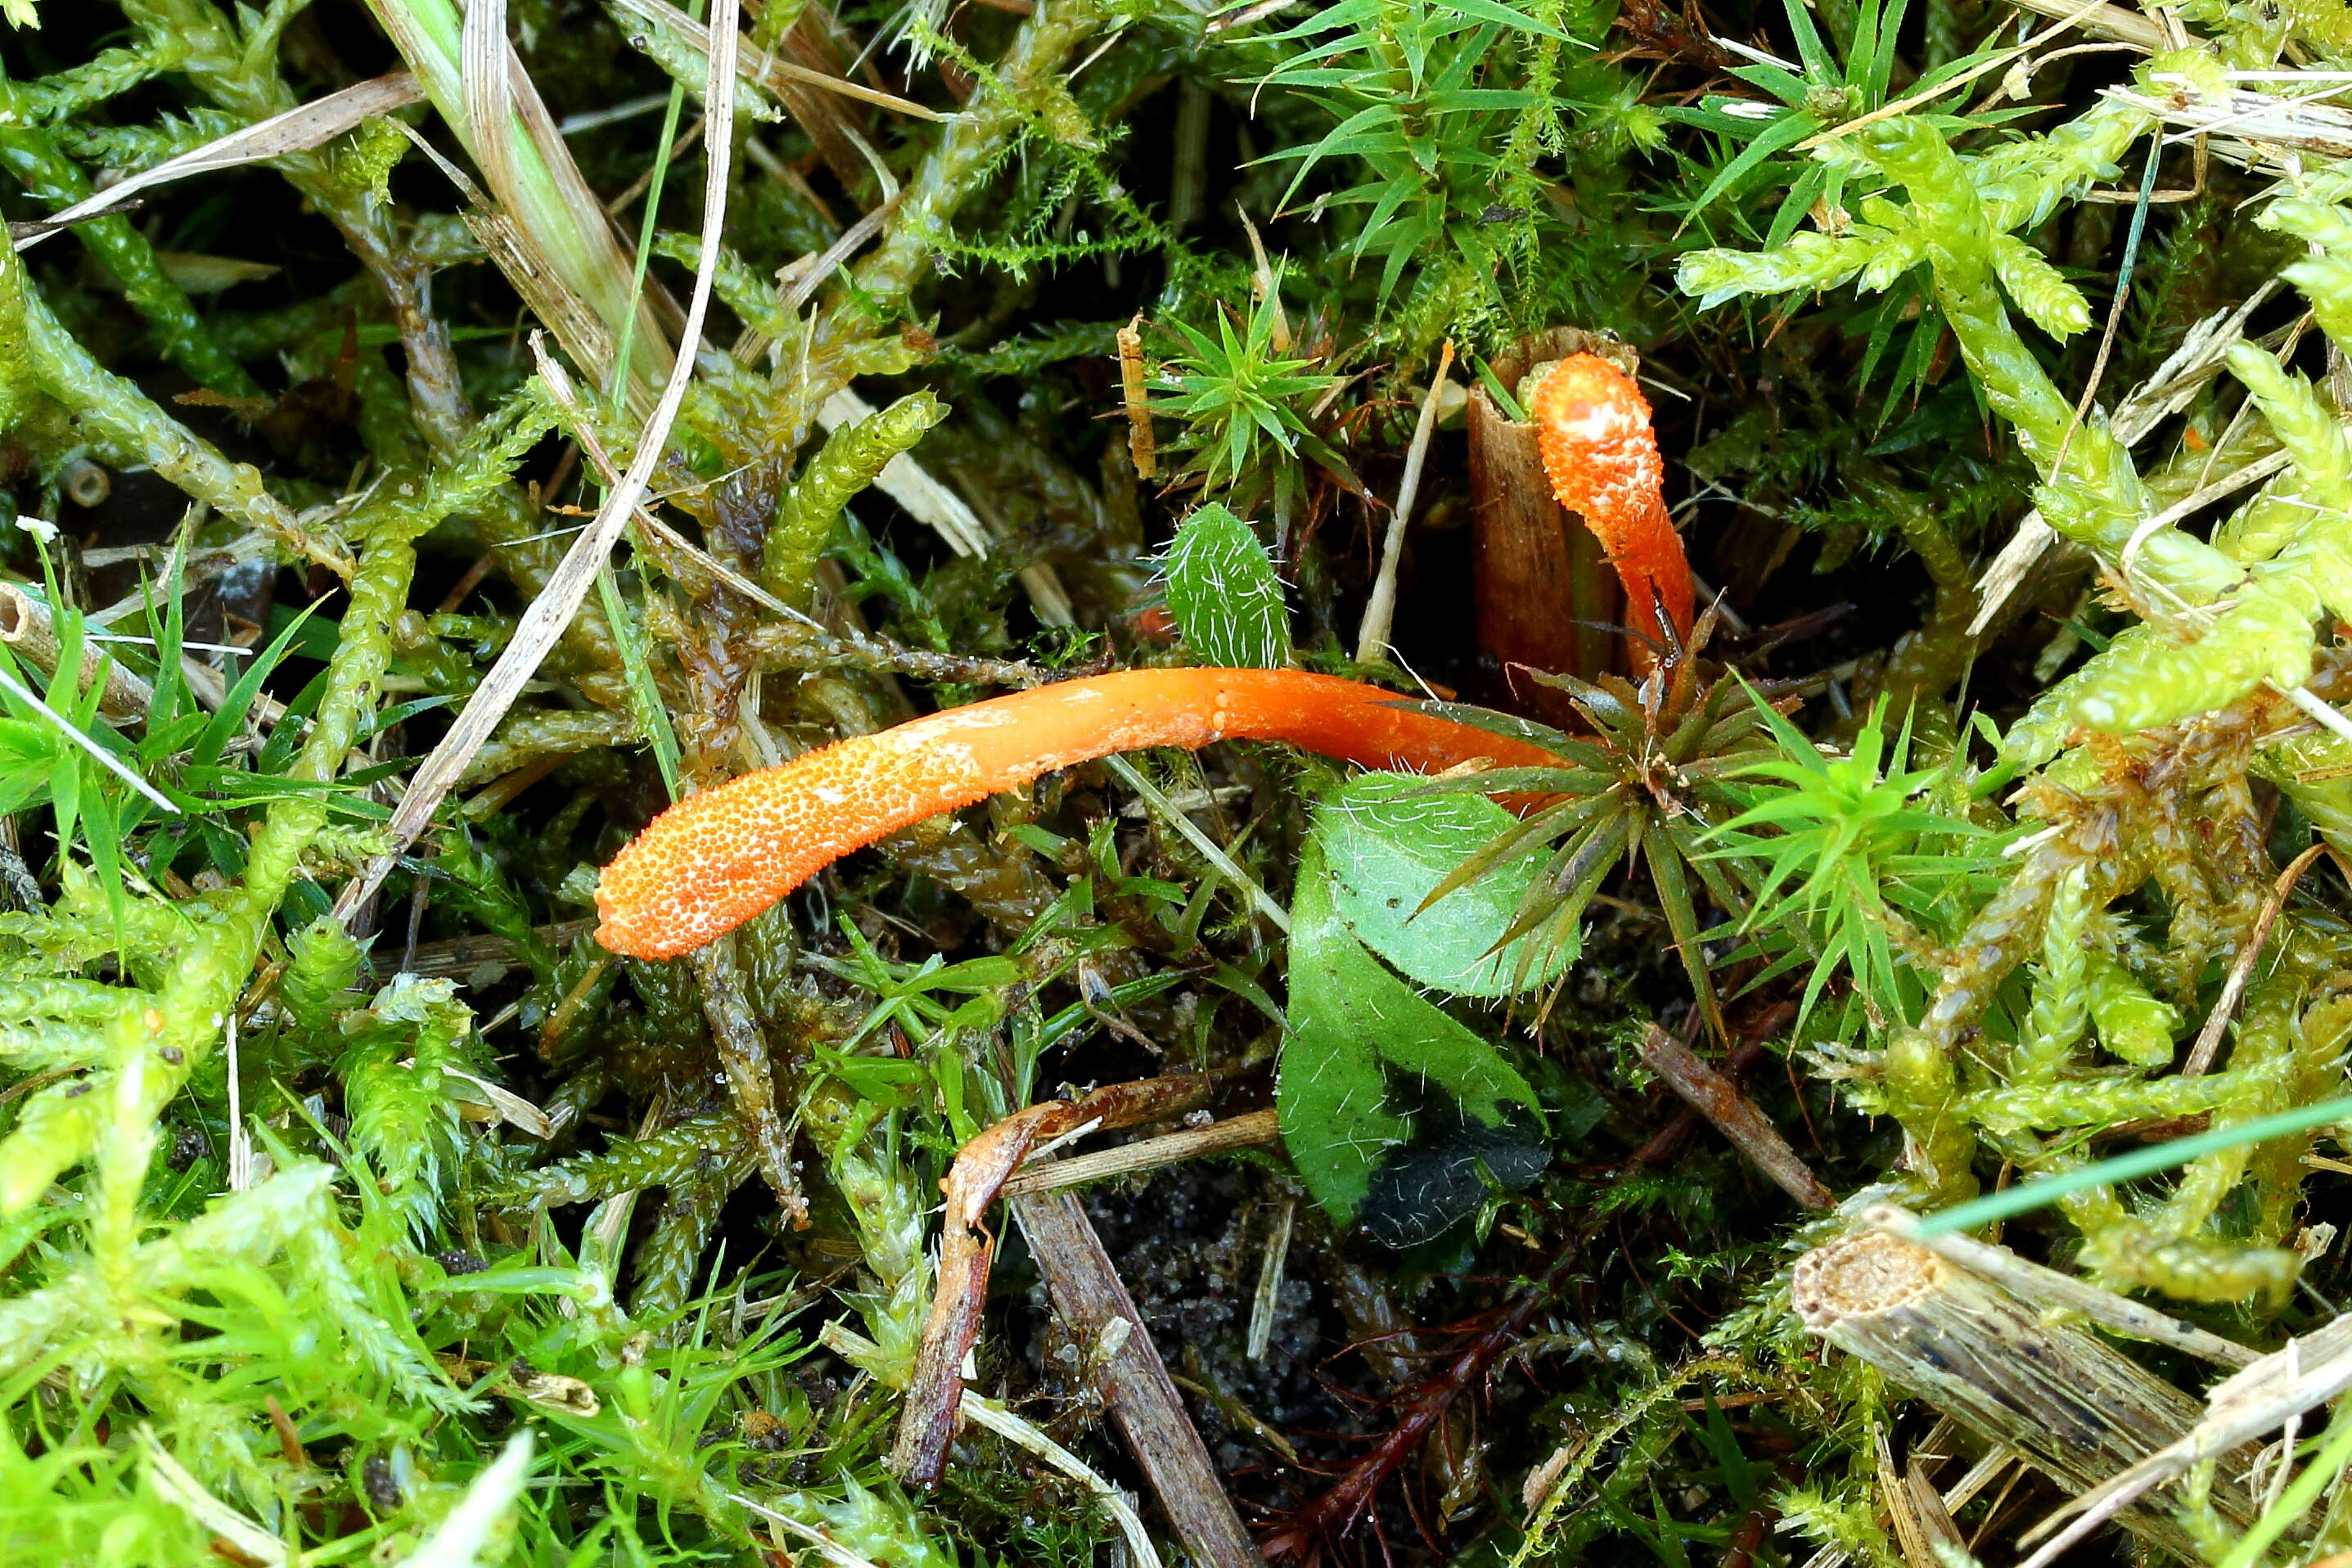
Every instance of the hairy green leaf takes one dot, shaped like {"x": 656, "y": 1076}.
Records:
{"x": 1225, "y": 592}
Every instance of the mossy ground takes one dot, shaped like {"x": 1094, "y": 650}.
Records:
{"x": 286, "y": 1277}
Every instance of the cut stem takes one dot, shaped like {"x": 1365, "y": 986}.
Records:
{"x": 2073, "y": 1405}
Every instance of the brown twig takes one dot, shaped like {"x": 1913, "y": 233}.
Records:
{"x": 1142, "y": 1401}
{"x": 927, "y": 1424}
{"x": 543, "y": 621}
{"x": 1252, "y": 1130}
{"x": 1751, "y": 1053}
{"x": 1380, "y": 615}
{"x": 1735, "y": 1115}
{"x": 2209, "y": 1038}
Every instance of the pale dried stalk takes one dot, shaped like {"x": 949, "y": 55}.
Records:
{"x": 2249, "y": 129}
{"x": 1380, "y": 615}
{"x": 313, "y": 124}
{"x": 567, "y": 397}
{"x": 2032, "y": 1281}
{"x": 543, "y": 621}
{"x": 2175, "y": 385}
{"x": 761, "y": 73}
{"x": 1004, "y": 1424}
{"x": 2225, "y": 1006}
{"x": 2302, "y": 1375}
{"x": 2114, "y": 21}
{"x": 1264, "y": 1305}
{"x": 1255, "y": 1129}
{"x": 551, "y": 236}
{"x": 29, "y": 633}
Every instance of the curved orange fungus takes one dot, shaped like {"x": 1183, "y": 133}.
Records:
{"x": 714, "y": 860}
{"x": 1593, "y": 424}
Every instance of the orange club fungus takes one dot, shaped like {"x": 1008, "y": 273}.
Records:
{"x": 1602, "y": 453}
{"x": 715, "y": 859}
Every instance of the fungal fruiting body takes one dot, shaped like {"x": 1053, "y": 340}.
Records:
{"x": 1593, "y": 424}
{"x": 714, "y": 860}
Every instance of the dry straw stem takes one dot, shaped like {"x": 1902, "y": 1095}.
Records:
{"x": 567, "y": 397}
{"x": 844, "y": 1341}
{"x": 2251, "y": 129}
{"x": 2073, "y": 1405}
{"x": 551, "y": 236}
{"x": 1735, "y": 1115}
{"x": 314, "y": 124}
{"x": 2175, "y": 384}
{"x": 28, "y": 632}
{"x": 1380, "y": 615}
{"x": 1252, "y": 1130}
{"x": 2110, "y": 21}
{"x": 2032, "y": 1281}
{"x": 1094, "y": 1302}
{"x": 1004, "y": 1424}
{"x": 2067, "y": 16}
{"x": 2302, "y": 1375}
{"x": 540, "y": 625}
{"x": 762, "y": 72}
{"x": 2225, "y": 1006}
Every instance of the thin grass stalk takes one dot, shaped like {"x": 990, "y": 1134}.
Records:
{"x": 540, "y": 625}
{"x": 530, "y": 174}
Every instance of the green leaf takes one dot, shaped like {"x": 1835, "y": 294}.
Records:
{"x": 1394, "y": 1114}
{"x": 1225, "y": 592}
{"x": 1389, "y": 844}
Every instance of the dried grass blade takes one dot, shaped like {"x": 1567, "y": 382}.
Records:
{"x": 2032, "y": 1281}
{"x": 757, "y": 72}
{"x": 543, "y": 621}
{"x": 299, "y": 130}
{"x": 1379, "y": 615}
{"x": 2225, "y": 1006}
{"x": 556, "y": 246}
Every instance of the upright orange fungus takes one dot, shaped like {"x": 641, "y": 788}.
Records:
{"x": 714, "y": 860}
{"x": 1593, "y": 424}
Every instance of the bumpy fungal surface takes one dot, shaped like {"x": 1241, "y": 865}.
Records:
{"x": 1593, "y": 424}
{"x": 714, "y": 860}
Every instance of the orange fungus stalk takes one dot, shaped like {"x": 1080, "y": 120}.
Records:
{"x": 1593, "y": 424}
{"x": 714, "y": 860}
